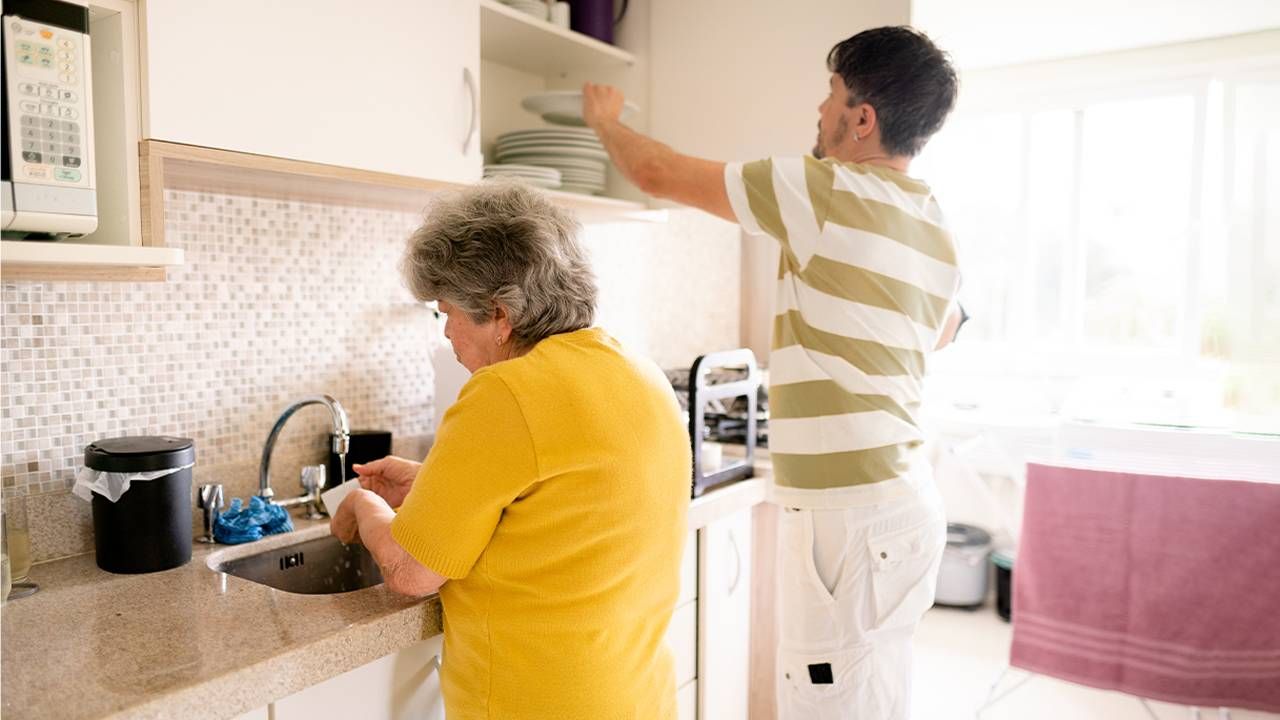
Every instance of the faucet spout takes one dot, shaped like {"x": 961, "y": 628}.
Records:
{"x": 341, "y": 439}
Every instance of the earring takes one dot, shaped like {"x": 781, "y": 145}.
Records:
{"x": 499, "y": 338}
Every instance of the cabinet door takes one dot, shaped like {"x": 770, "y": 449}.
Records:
{"x": 401, "y": 686}
{"x": 682, "y": 640}
{"x": 687, "y": 701}
{"x": 385, "y": 85}
{"x": 724, "y": 617}
{"x": 689, "y": 570}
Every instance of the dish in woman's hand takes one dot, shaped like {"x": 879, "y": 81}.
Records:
{"x": 333, "y": 497}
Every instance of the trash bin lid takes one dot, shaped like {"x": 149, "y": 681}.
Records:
{"x": 139, "y": 453}
{"x": 961, "y": 535}
{"x": 1004, "y": 558}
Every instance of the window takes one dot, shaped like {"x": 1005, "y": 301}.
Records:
{"x": 1120, "y": 247}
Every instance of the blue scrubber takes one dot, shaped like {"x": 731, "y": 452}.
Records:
{"x": 241, "y": 525}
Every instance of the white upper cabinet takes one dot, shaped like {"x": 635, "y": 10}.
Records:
{"x": 383, "y": 85}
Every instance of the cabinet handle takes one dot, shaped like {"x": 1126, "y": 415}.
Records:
{"x": 470, "y": 80}
{"x": 737, "y": 564}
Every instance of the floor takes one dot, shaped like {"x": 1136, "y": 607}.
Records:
{"x": 959, "y": 653}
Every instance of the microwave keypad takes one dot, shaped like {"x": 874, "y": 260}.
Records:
{"x": 50, "y": 141}
{"x": 49, "y": 113}
{"x": 59, "y": 56}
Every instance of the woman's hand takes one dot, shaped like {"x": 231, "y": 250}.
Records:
{"x": 364, "y": 517}
{"x": 345, "y": 524}
{"x": 391, "y": 477}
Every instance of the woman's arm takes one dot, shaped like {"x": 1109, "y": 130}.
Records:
{"x": 366, "y": 517}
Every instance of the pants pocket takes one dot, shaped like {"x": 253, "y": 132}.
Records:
{"x": 818, "y": 686}
{"x": 904, "y": 572}
{"x": 800, "y": 579}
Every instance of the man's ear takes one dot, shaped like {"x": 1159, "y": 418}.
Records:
{"x": 863, "y": 120}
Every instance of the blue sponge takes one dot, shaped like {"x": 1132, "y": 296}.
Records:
{"x": 241, "y": 525}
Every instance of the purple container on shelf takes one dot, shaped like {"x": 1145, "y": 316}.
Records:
{"x": 595, "y": 18}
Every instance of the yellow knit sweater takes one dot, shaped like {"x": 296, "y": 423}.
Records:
{"x": 555, "y": 500}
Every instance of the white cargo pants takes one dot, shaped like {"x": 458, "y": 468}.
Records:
{"x": 853, "y": 585}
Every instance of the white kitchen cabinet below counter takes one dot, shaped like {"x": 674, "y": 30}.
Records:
{"x": 724, "y": 616}
{"x": 682, "y": 632}
{"x": 405, "y": 684}
{"x": 687, "y": 701}
{"x": 728, "y": 500}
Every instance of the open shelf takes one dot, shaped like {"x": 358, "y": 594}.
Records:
{"x": 33, "y": 260}
{"x": 512, "y": 38}
{"x": 596, "y": 209}
{"x": 172, "y": 166}
{"x": 185, "y": 167}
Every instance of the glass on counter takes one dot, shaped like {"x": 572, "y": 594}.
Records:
{"x": 17, "y": 547}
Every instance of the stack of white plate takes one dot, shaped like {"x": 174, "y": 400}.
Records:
{"x": 575, "y": 152}
{"x": 542, "y": 177}
{"x": 536, "y": 8}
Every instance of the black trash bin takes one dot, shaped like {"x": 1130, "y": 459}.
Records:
{"x": 149, "y": 527}
{"x": 1003, "y": 560}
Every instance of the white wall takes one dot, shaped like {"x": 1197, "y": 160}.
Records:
{"x": 1053, "y": 83}
{"x": 735, "y": 80}
{"x": 986, "y": 33}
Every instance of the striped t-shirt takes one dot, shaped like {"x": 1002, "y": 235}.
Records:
{"x": 867, "y": 278}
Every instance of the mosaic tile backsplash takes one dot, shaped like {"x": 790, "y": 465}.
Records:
{"x": 278, "y": 300}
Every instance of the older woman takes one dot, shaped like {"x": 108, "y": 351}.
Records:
{"x": 550, "y": 513}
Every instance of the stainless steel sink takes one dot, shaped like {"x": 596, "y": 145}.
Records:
{"x": 312, "y": 567}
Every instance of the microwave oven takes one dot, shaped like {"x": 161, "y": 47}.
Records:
{"x": 49, "y": 189}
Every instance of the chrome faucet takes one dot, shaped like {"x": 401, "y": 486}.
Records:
{"x": 341, "y": 437}
{"x": 211, "y": 502}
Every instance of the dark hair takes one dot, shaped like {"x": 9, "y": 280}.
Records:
{"x": 904, "y": 76}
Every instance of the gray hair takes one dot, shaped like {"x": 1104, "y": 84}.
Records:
{"x": 502, "y": 243}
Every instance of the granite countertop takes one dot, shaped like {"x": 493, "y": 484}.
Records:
{"x": 195, "y": 643}
{"x": 189, "y": 642}
{"x": 724, "y": 500}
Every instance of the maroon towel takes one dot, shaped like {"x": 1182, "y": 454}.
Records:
{"x": 1163, "y": 587}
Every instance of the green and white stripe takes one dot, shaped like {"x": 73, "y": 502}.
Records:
{"x": 866, "y": 313}
{"x": 867, "y": 277}
{"x": 795, "y": 363}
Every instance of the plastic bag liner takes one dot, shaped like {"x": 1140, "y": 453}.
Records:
{"x": 111, "y": 485}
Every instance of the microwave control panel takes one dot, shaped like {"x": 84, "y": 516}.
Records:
{"x": 50, "y": 111}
